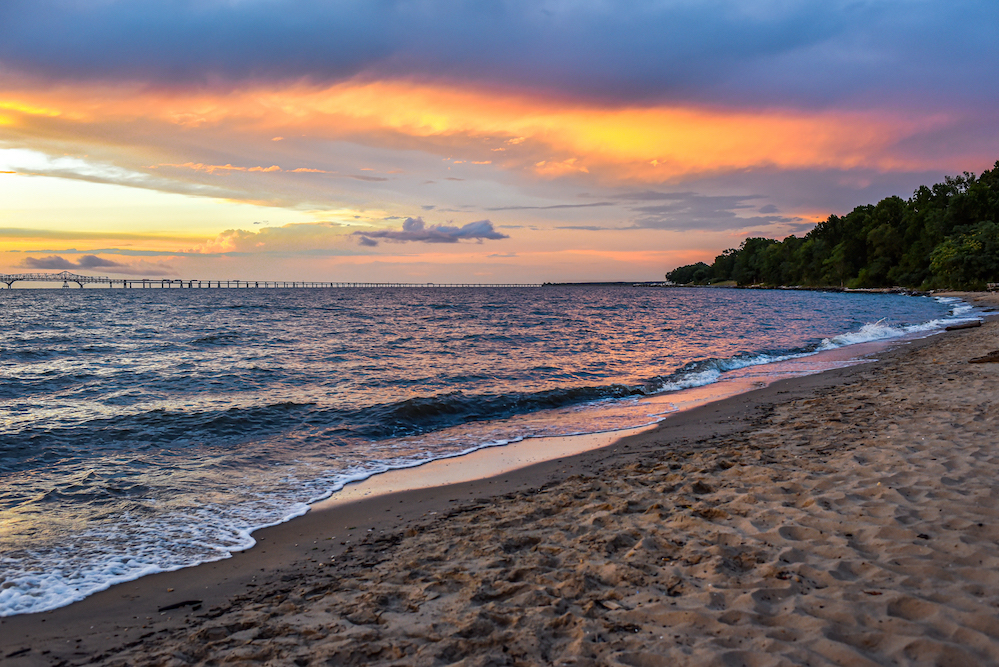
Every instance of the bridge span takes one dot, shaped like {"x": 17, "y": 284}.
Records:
{"x": 65, "y": 277}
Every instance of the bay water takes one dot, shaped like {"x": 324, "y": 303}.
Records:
{"x": 148, "y": 430}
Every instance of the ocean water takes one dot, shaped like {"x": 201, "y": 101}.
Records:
{"x": 148, "y": 430}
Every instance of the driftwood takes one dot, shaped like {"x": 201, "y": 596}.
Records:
{"x": 990, "y": 358}
{"x": 965, "y": 325}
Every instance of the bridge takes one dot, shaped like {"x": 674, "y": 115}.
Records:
{"x": 65, "y": 277}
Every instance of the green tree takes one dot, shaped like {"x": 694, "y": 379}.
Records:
{"x": 969, "y": 259}
{"x": 692, "y": 273}
{"x": 942, "y": 236}
{"x": 750, "y": 260}
{"x": 721, "y": 269}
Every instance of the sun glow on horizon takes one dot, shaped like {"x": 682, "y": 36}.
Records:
{"x": 193, "y": 171}
{"x": 642, "y": 144}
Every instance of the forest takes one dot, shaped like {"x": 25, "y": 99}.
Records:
{"x": 944, "y": 236}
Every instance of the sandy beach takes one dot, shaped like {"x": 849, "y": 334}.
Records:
{"x": 845, "y": 518}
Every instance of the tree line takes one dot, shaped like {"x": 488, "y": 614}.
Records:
{"x": 945, "y": 235}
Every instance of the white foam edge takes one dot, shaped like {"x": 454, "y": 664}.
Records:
{"x": 876, "y": 331}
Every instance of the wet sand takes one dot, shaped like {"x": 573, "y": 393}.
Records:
{"x": 848, "y": 518}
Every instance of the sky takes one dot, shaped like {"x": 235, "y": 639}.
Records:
{"x": 482, "y": 141}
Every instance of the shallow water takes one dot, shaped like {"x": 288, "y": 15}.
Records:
{"x": 146, "y": 430}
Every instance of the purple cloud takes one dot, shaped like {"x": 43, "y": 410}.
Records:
{"x": 140, "y": 268}
{"x": 683, "y": 211}
{"x": 57, "y": 262}
{"x": 414, "y": 229}
{"x": 95, "y": 262}
{"x": 796, "y": 51}
{"x": 50, "y": 262}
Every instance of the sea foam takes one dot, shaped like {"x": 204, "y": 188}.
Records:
{"x": 161, "y": 429}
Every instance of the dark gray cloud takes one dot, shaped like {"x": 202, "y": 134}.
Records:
{"x": 111, "y": 251}
{"x": 821, "y": 191}
{"x": 414, "y": 229}
{"x": 140, "y": 268}
{"x": 552, "y": 207}
{"x": 51, "y": 262}
{"x": 683, "y": 211}
{"x": 793, "y": 51}
{"x": 799, "y": 227}
{"x": 95, "y": 262}
{"x": 57, "y": 262}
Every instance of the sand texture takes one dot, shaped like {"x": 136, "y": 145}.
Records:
{"x": 853, "y": 524}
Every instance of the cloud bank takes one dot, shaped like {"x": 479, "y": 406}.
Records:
{"x": 683, "y": 211}
{"x": 671, "y": 115}
{"x": 415, "y": 229}
{"x": 808, "y": 52}
{"x": 56, "y": 262}
{"x": 315, "y": 238}
{"x": 140, "y": 268}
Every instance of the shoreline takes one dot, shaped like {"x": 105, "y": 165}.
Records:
{"x": 124, "y": 616}
{"x": 646, "y": 410}
{"x": 493, "y": 461}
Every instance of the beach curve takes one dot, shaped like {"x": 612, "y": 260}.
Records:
{"x": 785, "y": 525}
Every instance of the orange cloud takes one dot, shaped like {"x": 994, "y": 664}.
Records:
{"x": 212, "y": 168}
{"x": 546, "y": 137}
{"x": 29, "y": 109}
{"x": 297, "y": 237}
{"x": 552, "y": 168}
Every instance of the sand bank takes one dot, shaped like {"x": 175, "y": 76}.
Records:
{"x": 850, "y": 517}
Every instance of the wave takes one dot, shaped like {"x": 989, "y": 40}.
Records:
{"x": 195, "y": 532}
{"x": 708, "y": 371}
{"x": 877, "y": 331}
{"x": 413, "y": 416}
{"x": 221, "y": 338}
{"x": 158, "y": 428}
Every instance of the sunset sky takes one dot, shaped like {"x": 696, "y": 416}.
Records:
{"x": 475, "y": 141}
